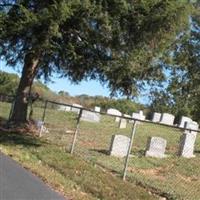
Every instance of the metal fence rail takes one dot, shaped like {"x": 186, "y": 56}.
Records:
{"x": 81, "y": 141}
{"x": 173, "y": 175}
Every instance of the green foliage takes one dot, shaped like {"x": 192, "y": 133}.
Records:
{"x": 8, "y": 83}
{"x": 123, "y": 105}
{"x": 114, "y": 41}
{"x": 182, "y": 94}
{"x": 63, "y": 93}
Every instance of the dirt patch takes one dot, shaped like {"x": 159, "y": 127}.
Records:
{"x": 186, "y": 178}
{"x": 88, "y": 143}
{"x": 155, "y": 172}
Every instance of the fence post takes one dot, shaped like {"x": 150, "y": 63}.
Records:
{"x": 44, "y": 112}
{"x": 129, "y": 150}
{"x": 11, "y": 110}
{"x": 76, "y": 131}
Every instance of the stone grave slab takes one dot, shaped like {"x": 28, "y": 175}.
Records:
{"x": 187, "y": 140}
{"x": 156, "y": 117}
{"x": 167, "y": 119}
{"x": 64, "y": 108}
{"x": 76, "y": 110}
{"x": 184, "y": 120}
{"x": 113, "y": 111}
{"x": 156, "y": 147}
{"x": 97, "y": 109}
{"x": 119, "y": 145}
{"x": 90, "y": 116}
{"x": 122, "y": 123}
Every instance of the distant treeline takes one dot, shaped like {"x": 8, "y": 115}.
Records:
{"x": 9, "y": 83}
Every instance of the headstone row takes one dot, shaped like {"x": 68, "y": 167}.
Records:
{"x": 156, "y": 146}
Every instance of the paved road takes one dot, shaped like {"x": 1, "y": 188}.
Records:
{"x": 16, "y": 183}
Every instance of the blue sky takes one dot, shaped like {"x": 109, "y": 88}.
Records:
{"x": 85, "y": 87}
{"x": 91, "y": 88}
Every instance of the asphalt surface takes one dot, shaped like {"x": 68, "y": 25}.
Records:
{"x": 16, "y": 183}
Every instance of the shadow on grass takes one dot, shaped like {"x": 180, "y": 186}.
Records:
{"x": 102, "y": 151}
{"x": 3, "y": 121}
{"x": 197, "y": 152}
{"x": 19, "y": 139}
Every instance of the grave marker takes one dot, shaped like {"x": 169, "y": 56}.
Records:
{"x": 122, "y": 123}
{"x": 188, "y": 139}
{"x": 156, "y": 117}
{"x": 167, "y": 119}
{"x": 119, "y": 145}
{"x": 76, "y": 110}
{"x": 156, "y": 147}
{"x": 97, "y": 109}
{"x": 184, "y": 120}
{"x": 90, "y": 116}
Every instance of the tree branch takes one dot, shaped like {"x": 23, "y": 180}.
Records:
{"x": 8, "y": 5}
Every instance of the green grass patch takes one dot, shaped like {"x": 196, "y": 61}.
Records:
{"x": 173, "y": 177}
{"x": 69, "y": 174}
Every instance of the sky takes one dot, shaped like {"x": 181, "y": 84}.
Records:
{"x": 91, "y": 87}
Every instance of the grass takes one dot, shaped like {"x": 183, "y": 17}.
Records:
{"x": 173, "y": 177}
{"x": 68, "y": 174}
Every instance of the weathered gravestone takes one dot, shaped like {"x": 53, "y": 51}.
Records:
{"x": 188, "y": 139}
{"x": 90, "y": 116}
{"x": 117, "y": 119}
{"x": 156, "y": 117}
{"x": 113, "y": 111}
{"x": 122, "y": 123}
{"x": 64, "y": 108}
{"x": 76, "y": 110}
{"x": 167, "y": 118}
{"x": 184, "y": 120}
{"x": 97, "y": 109}
{"x": 156, "y": 147}
{"x": 119, "y": 145}
{"x": 139, "y": 116}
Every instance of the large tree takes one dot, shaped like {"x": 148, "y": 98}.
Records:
{"x": 114, "y": 41}
{"x": 182, "y": 90}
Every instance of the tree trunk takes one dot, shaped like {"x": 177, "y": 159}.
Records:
{"x": 20, "y": 107}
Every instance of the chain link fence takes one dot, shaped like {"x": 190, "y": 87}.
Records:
{"x": 125, "y": 147}
{"x": 5, "y": 106}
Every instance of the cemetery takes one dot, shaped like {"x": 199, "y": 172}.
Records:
{"x": 131, "y": 129}
{"x": 155, "y": 146}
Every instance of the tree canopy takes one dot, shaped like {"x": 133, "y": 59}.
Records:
{"x": 182, "y": 93}
{"x": 114, "y": 41}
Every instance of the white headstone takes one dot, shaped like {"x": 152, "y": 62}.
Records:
{"x": 167, "y": 118}
{"x": 156, "y": 147}
{"x": 76, "y": 110}
{"x": 117, "y": 119}
{"x": 119, "y": 145}
{"x": 184, "y": 120}
{"x": 90, "y": 116}
{"x": 113, "y": 111}
{"x": 188, "y": 139}
{"x": 122, "y": 123}
{"x": 156, "y": 117}
{"x": 64, "y": 108}
{"x": 141, "y": 112}
{"x": 139, "y": 116}
{"x": 97, "y": 109}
